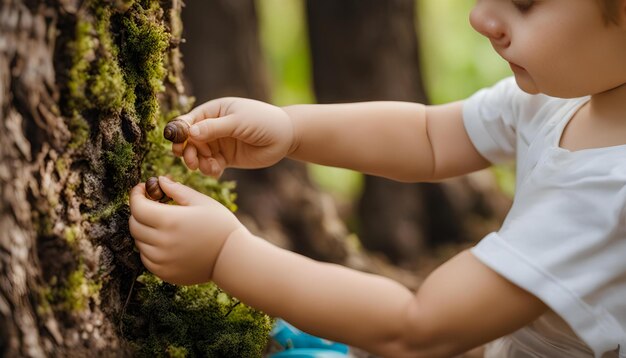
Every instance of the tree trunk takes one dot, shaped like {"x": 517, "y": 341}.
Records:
{"x": 367, "y": 50}
{"x": 51, "y": 179}
{"x": 83, "y": 84}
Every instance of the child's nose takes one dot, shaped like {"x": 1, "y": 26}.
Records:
{"x": 487, "y": 22}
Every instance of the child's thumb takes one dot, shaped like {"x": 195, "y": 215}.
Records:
{"x": 181, "y": 194}
{"x": 214, "y": 128}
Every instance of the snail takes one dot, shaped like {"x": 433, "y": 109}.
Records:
{"x": 176, "y": 131}
{"x": 153, "y": 190}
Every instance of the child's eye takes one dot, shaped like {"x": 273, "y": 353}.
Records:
{"x": 523, "y": 5}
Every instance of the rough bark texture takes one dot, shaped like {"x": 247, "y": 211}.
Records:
{"x": 367, "y": 50}
{"x": 83, "y": 84}
{"x": 37, "y": 209}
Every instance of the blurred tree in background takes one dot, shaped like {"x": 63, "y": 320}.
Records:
{"x": 391, "y": 219}
{"x": 223, "y": 58}
{"x": 368, "y": 50}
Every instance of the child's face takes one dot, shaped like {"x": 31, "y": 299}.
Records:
{"x": 563, "y": 48}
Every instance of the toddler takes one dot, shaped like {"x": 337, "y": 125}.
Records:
{"x": 550, "y": 283}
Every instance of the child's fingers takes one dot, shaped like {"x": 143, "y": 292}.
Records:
{"x": 190, "y": 154}
{"x": 146, "y": 211}
{"x": 151, "y": 266}
{"x": 143, "y": 233}
{"x": 221, "y": 162}
{"x": 155, "y": 254}
{"x": 218, "y": 165}
{"x": 182, "y": 194}
{"x": 203, "y": 149}
{"x": 205, "y": 165}
{"x": 214, "y": 128}
{"x": 210, "y": 167}
{"x": 210, "y": 109}
{"x": 178, "y": 148}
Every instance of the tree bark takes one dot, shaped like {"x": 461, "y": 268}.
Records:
{"x": 368, "y": 50}
{"x": 38, "y": 210}
{"x": 82, "y": 86}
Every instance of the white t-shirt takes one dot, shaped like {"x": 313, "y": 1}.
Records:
{"x": 564, "y": 239}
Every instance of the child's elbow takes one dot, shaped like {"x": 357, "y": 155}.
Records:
{"x": 412, "y": 175}
{"x": 418, "y": 345}
{"x": 411, "y": 170}
{"x": 420, "y": 336}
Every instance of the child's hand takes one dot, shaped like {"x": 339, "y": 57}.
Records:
{"x": 235, "y": 132}
{"x": 180, "y": 243}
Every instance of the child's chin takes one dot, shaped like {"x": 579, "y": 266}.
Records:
{"x": 526, "y": 85}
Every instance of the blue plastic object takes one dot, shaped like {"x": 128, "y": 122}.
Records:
{"x": 308, "y": 353}
{"x": 299, "y": 344}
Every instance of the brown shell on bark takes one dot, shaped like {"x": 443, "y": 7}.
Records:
{"x": 153, "y": 189}
{"x": 176, "y": 131}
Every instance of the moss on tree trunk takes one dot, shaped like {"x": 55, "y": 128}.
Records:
{"x": 85, "y": 88}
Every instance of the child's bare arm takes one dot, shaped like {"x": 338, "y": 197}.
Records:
{"x": 399, "y": 140}
{"x": 463, "y": 304}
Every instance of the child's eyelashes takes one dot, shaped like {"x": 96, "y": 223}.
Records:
{"x": 523, "y": 5}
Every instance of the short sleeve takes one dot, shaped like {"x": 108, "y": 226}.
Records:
{"x": 564, "y": 241}
{"x": 490, "y": 121}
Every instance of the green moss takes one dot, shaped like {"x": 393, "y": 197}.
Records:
{"x": 118, "y": 68}
{"x": 71, "y": 234}
{"x": 108, "y": 86}
{"x": 76, "y": 290}
{"x": 61, "y": 167}
{"x": 177, "y": 352}
{"x": 44, "y": 226}
{"x": 143, "y": 53}
{"x": 96, "y": 79}
{"x": 79, "y": 129}
{"x": 119, "y": 203}
{"x": 83, "y": 50}
{"x": 74, "y": 294}
{"x": 195, "y": 319}
{"x": 43, "y": 301}
{"x": 120, "y": 161}
{"x": 122, "y": 5}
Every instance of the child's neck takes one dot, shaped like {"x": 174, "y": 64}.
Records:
{"x": 601, "y": 122}
{"x": 609, "y": 105}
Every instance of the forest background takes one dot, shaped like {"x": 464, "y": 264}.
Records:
{"x": 455, "y": 61}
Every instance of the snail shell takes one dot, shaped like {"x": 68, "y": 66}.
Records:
{"x": 153, "y": 189}
{"x": 176, "y": 131}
